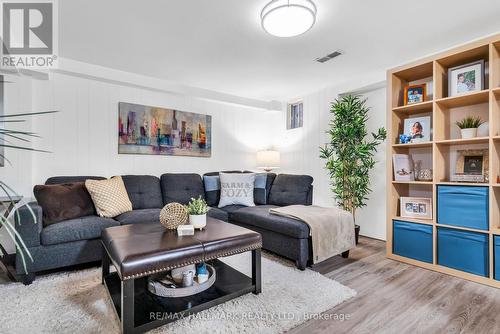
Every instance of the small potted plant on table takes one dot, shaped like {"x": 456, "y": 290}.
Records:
{"x": 468, "y": 126}
{"x": 197, "y": 210}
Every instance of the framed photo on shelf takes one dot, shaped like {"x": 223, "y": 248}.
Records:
{"x": 472, "y": 162}
{"x": 414, "y": 94}
{"x": 416, "y": 207}
{"x": 466, "y": 78}
{"x": 403, "y": 167}
{"x": 418, "y": 128}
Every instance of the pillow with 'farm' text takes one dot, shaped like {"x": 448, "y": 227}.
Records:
{"x": 236, "y": 189}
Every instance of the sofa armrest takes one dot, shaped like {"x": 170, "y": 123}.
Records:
{"x": 28, "y": 228}
{"x": 310, "y": 196}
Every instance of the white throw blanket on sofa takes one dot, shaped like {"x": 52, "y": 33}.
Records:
{"x": 331, "y": 229}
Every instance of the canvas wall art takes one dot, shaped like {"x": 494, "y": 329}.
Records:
{"x": 160, "y": 131}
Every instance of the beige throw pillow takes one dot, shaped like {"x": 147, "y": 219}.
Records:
{"x": 109, "y": 196}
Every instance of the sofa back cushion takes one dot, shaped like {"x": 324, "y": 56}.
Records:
{"x": 144, "y": 191}
{"x": 63, "y": 201}
{"x": 291, "y": 190}
{"x": 263, "y": 183}
{"x": 181, "y": 188}
{"x": 71, "y": 179}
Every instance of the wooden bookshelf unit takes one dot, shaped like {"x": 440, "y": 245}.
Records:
{"x": 440, "y": 154}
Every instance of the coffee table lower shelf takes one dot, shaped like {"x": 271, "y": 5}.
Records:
{"x": 151, "y": 311}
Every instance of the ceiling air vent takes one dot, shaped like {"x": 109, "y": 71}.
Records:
{"x": 329, "y": 56}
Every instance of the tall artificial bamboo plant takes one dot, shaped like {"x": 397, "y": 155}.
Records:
{"x": 17, "y": 140}
{"x": 350, "y": 154}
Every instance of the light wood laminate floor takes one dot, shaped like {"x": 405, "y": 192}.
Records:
{"x": 394, "y": 297}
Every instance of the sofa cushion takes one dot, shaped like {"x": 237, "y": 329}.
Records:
{"x": 109, "y": 196}
{"x": 144, "y": 191}
{"x": 63, "y": 201}
{"x": 181, "y": 188}
{"x": 236, "y": 189}
{"x": 290, "y": 190}
{"x": 230, "y": 209}
{"x": 218, "y": 214}
{"x": 83, "y": 228}
{"x": 263, "y": 183}
{"x": 259, "y": 216}
{"x": 71, "y": 179}
{"x": 211, "y": 182}
{"x": 142, "y": 216}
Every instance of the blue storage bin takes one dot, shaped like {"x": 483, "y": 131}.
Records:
{"x": 412, "y": 240}
{"x": 463, "y": 250}
{"x": 464, "y": 206}
{"x": 496, "y": 241}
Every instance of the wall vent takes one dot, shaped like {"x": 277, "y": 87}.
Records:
{"x": 329, "y": 56}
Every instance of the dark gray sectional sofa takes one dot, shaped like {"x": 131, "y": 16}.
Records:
{"x": 77, "y": 241}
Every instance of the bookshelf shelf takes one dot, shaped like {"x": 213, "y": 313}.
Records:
{"x": 477, "y": 140}
{"x": 441, "y": 153}
{"x": 465, "y": 99}
{"x": 414, "y": 108}
{"x": 413, "y": 145}
{"x": 415, "y": 220}
{"x": 413, "y": 182}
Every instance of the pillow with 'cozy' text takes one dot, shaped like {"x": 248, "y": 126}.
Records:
{"x": 236, "y": 188}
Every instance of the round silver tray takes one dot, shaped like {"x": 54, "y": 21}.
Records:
{"x": 161, "y": 290}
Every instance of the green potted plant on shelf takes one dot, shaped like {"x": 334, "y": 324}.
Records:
{"x": 468, "y": 126}
{"x": 197, "y": 210}
{"x": 350, "y": 154}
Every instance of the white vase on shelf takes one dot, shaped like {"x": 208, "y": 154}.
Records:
{"x": 468, "y": 133}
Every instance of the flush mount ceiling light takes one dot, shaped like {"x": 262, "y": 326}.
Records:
{"x": 287, "y": 18}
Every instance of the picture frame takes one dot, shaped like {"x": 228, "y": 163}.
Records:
{"x": 415, "y": 94}
{"x": 418, "y": 128}
{"x": 416, "y": 207}
{"x": 403, "y": 167}
{"x": 472, "y": 162}
{"x": 466, "y": 78}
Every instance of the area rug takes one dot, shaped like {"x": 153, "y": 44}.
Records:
{"x": 76, "y": 302}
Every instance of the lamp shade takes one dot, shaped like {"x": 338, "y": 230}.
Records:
{"x": 268, "y": 160}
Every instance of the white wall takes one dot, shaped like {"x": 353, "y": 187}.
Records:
{"x": 83, "y": 135}
{"x": 300, "y": 154}
{"x": 17, "y": 173}
{"x": 17, "y": 99}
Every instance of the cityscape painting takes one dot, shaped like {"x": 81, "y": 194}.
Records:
{"x": 161, "y": 131}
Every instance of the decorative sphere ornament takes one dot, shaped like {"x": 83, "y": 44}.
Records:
{"x": 173, "y": 215}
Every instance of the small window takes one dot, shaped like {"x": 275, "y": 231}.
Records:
{"x": 294, "y": 116}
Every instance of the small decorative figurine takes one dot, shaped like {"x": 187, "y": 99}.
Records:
{"x": 404, "y": 139}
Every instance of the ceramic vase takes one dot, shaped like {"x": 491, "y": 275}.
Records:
{"x": 198, "y": 221}
{"x": 468, "y": 133}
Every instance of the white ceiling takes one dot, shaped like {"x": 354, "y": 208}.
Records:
{"x": 219, "y": 44}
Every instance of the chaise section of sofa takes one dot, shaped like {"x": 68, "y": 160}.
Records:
{"x": 284, "y": 236}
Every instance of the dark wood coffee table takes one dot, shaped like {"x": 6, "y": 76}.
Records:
{"x": 138, "y": 251}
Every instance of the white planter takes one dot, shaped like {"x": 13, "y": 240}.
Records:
{"x": 198, "y": 221}
{"x": 468, "y": 133}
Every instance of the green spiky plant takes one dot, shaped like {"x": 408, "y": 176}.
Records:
{"x": 349, "y": 154}
{"x": 197, "y": 206}
{"x": 469, "y": 122}
{"x": 9, "y": 139}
